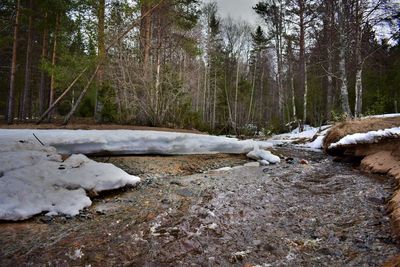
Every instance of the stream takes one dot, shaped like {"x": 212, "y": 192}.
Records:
{"x": 321, "y": 213}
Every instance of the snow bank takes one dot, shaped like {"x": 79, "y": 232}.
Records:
{"x": 132, "y": 142}
{"x": 34, "y": 179}
{"x": 367, "y": 138}
{"x": 308, "y": 134}
{"x": 263, "y": 156}
{"x": 390, "y": 115}
{"x": 318, "y": 143}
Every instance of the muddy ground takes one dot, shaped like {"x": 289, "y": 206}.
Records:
{"x": 317, "y": 214}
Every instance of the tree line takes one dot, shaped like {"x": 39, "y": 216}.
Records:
{"x": 178, "y": 63}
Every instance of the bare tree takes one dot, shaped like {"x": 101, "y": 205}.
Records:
{"x": 53, "y": 64}
{"x": 10, "y": 107}
{"x": 42, "y": 90}
{"x": 343, "y": 45}
{"x": 26, "y": 103}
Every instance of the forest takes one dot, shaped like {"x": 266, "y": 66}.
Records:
{"x": 178, "y": 63}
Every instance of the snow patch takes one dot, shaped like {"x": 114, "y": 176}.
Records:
{"x": 35, "y": 179}
{"x": 308, "y": 134}
{"x": 390, "y": 115}
{"x": 367, "y": 138}
{"x": 131, "y": 141}
{"x": 260, "y": 154}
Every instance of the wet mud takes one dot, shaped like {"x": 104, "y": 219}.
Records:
{"x": 320, "y": 213}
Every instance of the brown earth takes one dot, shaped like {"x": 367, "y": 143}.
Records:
{"x": 89, "y": 124}
{"x": 342, "y": 129}
{"x": 387, "y": 162}
{"x": 162, "y": 166}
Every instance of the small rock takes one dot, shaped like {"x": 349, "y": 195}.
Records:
{"x": 252, "y": 164}
{"x": 239, "y": 256}
{"x": 100, "y": 212}
{"x": 212, "y": 226}
{"x": 165, "y": 201}
{"x": 176, "y": 183}
{"x": 46, "y": 219}
{"x": 256, "y": 242}
{"x": 305, "y": 162}
{"x": 185, "y": 193}
{"x": 289, "y": 160}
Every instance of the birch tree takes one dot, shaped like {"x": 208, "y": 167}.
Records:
{"x": 343, "y": 47}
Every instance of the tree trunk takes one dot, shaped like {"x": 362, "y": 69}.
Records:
{"x": 305, "y": 94}
{"x": 25, "y": 103}
{"x": 214, "y": 99}
{"x": 145, "y": 37}
{"x": 330, "y": 21}
{"x": 227, "y": 101}
{"x": 205, "y": 90}
{"x": 261, "y": 116}
{"x": 302, "y": 58}
{"x": 329, "y": 97}
{"x": 359, "y": 65}
{"x": 344, "y": 95}
{"x": 279, "y": 84}
{"x": 293, "y": 97}
{"x": 236, "y": 90}
{"x": 252, "y": 92}
{"x": 78, "y": 101}
{"x": 42, "y": 90}
{"x": 10, "y": 104}
{"x": 359, "y": 91}
{"x": 101, "y": 55}
{"x": 53, "y": 65}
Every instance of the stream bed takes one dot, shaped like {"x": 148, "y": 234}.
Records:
{"x": 320, "y": 213}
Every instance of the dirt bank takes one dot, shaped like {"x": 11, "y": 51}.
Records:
{"x": 381, "y": 157}
{"x": 342, "y": 129}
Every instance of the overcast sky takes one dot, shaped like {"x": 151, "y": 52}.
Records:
{"x": 238, "y": 9}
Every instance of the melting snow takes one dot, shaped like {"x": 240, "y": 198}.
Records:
{"x": 367, "y": 138}
{"x": 391, "y": 115}
{"x": 132, "y": 142}
{"x": 34, "y": 179}
{"x": 308, "y": 134}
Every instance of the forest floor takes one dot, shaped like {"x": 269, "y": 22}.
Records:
{"x": 321, "y": 213}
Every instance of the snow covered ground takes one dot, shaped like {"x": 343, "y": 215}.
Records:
{"x": 132, "y": 142}
{"x": 307, "y": 135}
{"x": 367, "y": 138}
{"x": 390, "y": 115}
{"x": 34, "y": 179}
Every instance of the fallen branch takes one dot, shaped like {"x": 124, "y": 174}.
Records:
{"x": 38, "y": 139}
{"x": 68, "y": 117}
{"x": 61, "y": 96}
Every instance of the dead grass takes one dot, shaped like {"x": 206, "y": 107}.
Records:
{"x": 340, "y": 130}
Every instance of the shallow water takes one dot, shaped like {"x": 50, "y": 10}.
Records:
{"x": 317, "y": 214}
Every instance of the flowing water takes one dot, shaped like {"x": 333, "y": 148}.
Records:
{"x": 291, "y": 214}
